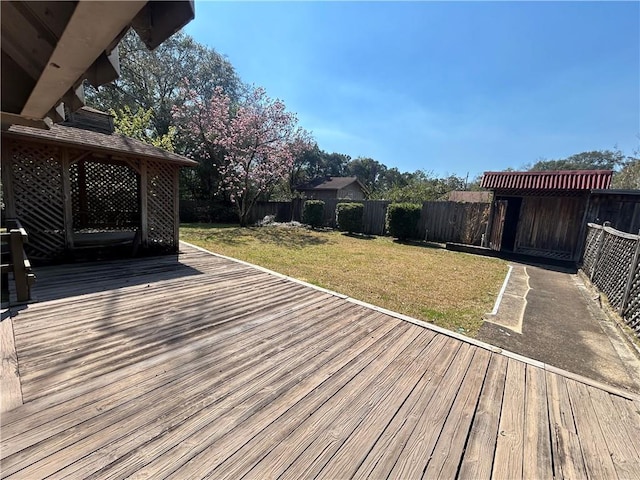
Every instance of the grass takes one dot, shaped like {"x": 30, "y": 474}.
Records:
{"x": 449, "y": 289}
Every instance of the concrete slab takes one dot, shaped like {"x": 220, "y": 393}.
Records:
{"x": 512, "y": 301}
{"x": 549, "y": 315}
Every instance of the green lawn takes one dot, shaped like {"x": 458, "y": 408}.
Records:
{"x": 450, "y": 289}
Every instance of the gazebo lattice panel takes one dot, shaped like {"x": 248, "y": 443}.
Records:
{"x": 36, "y": 177}
{"x": 160, "y": 200}
{"x": 104, "y": 196}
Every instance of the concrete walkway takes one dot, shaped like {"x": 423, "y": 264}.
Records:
{"x": 550, "y": 316}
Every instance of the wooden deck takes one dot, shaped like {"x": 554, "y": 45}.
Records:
{"x": 205, "y": 367}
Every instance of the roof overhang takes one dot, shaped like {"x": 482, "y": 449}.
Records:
{"x": 49, "y": 48}
{"x": 114, "y": 145}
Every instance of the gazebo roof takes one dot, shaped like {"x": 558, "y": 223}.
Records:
{"x": 109, "y": 143}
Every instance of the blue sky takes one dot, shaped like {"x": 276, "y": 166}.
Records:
{"x": 446, "y": 87}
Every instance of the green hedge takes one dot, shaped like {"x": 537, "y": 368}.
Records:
{"x": 402, "y": 220}
{"x": 313, "y": 213}
{"x": 349, "y": 217}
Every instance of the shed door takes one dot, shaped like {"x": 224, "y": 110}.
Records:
{"x": 497, "y": 227}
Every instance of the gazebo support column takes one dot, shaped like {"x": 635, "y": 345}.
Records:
{"x": 144, "y": 211}
{"x": 66, "y": 196}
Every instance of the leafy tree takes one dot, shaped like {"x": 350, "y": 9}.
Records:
{"x": 259, "y": 140}
{"x": 368, "y": 172}
{"x": 139, "y": 125}
{"x": 593, "y": 160}
{"x": 421, "y": 186}
{"x": 158, "y": 82}
{"x": 629, "y": 176}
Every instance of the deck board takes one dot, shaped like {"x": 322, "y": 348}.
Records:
{"x": 197, "y": 366}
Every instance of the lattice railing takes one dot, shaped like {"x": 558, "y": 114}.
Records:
{"x": 612, "y": 260}
{"x": 591, "y": 250}
{"x": 160, "y": 201}
{"x": 36, "y": 177}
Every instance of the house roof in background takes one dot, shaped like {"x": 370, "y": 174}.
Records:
{"x": 548, "y": 180}
{"x": 113, "y": 143}
{"x": 330, "y": 183}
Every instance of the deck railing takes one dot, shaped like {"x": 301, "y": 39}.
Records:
{"x": 611, "y": 260}
{"x": 17, "y": 263}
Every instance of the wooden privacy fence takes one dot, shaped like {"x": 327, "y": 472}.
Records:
{"x": 453, "y": 222}
{"x": 611, "y": 259}
{"x": 439, "y": 221}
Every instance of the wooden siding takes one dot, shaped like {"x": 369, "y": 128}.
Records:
{"x": 195, "y": 365}
{"x": 351, "y": 192}
{"x": 621, "y": 211}
{"x": 550, "y": 226}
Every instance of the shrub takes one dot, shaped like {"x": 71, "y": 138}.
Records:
{"x": 313, "y": 212}
{"x": 349, "y": 217}
{"x": 402, "y": 220}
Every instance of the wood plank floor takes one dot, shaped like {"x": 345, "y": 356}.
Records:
{"x": 196, "y": 366}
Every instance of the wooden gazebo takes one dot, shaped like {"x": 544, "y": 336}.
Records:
{"x": 79, "y": 186}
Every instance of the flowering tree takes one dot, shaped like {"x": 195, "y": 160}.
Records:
{"x": 260, "y": 140}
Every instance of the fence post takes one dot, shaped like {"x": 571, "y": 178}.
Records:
{"x": 599, "y": 251}
{"x": 632, "y": 271}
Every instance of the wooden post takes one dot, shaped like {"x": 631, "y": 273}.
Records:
{"x": 598, "y": 251}
{"x": 144, "y": 211}
{"x": 176, "y": 208}
{"x": 579, "y": 250}
{"x": 82, "y": 195}
{"x": 489, "y": 227}
{"x": 19, "y": 270}
{"x": 66, "y": 198}
{"x": 632, "y": 270}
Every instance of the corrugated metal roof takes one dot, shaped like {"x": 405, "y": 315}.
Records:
{"x": 549, "y": 180}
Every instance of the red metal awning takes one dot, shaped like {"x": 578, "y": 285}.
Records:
{"x": 551, "y": 180}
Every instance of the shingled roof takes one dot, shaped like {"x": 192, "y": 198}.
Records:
{"x": 109, "y": 143}
{"x": 548, "y": 180}
{"x": 330, "y": 183}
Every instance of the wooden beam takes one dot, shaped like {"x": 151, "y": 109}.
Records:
{"x": 92, "y": 27}
{"x": 9, "y": 119}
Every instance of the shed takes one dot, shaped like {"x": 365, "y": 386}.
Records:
{"x": 79, "y": 185}
{"x": 541, "y": 213}
{"x": 331, "y": 188}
